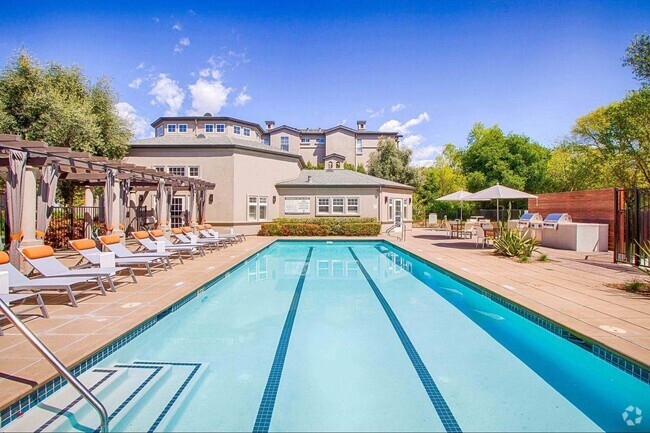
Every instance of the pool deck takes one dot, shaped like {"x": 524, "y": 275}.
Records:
{"x": 568, "y": 290}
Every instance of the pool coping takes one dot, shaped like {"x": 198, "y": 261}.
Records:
{"x": 632, "y": 367}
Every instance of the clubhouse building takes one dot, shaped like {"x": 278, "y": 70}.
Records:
{"x": 260, "y": 172}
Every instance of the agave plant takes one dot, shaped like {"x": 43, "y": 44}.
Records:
{"x": 513, "y": 243}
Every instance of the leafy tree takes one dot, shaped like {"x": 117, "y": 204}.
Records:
{"x": 392, "y": 163}
{"x": 438, "y": 180}
{"x": 349, "y": 166}
{"x": 573, "y": 167}
{"x": 637, "y": 56}
{"x": 361, "y": 168}
{"x": 309, "y": 166}
{"x": 60, "y": 106}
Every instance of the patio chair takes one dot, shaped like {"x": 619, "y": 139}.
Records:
{"x": 145, "y": 241}
{"x": 89, "y": 252}
{"x": 240, "y": 237}
{"x": 42, "y": 259}
{"x": 207, "y": 235}
{"x": 159, "y": 235}
{"x": 482, "y": 237}
{"x": 71, "y": 285}
{"x": 187, "y": 231}
{"x": 112, "y": 243}
{"x": 449, "y": 231}
{"x": 17, "y": 299}
{"x": 180, "y": 236}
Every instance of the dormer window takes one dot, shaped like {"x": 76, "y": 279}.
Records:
{"x": 236, "y": 129}
{"x": 171, "y": 127}
{"x": 209, "y": 128}
{"x": 160, "y": 131}
{"x": 182, "y": 127}
{"x": 247, "y": 132}
{"x": 221, "y": 127}
{"x": 284, "y": 143}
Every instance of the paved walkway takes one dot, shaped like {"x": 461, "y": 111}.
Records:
{"x": 568, "y": 290}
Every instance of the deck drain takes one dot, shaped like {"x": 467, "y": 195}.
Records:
{"x": 505, "y": 286}
{"x": 465, "y": 269}
{"x": 131, "y": 304}
{"x": 180, "y": 283}
{"x": 209, "y": 268}
{"x": 613, "y": 329}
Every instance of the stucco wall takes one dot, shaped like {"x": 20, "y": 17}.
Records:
{"x": 294, "y": 139}
{"x": 368, "y": 199}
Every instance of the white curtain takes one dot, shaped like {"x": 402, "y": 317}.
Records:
{"x": 191, "y": 211}
{"x": 46, "y": 196}
{"x": 109, "y": 193}
{"x": 125, "y": 187}
{"x": 201, "y": 206}
{"x": 15, "y": 192}
{"x": 170, "y": 197}
{"x": 160, "y": 197}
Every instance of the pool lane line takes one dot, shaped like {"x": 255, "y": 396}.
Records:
{"x": 438, "y": 401}
{"x": 265, "y": 412}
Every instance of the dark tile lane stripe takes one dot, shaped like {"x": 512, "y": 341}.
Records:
{"x": 438, "y": 401}
{"x": 265, "y": 412}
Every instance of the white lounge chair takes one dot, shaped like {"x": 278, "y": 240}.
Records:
{"x": 150, "y": 246}
{"x": 112, "y": 242}
{"x": 13, "y": 299}
{"x": 89, "y": 251}
{"x": 240, "y": 237}
{"x": 207, "y": 235}
{"x": 71, "y": 285}
{"x": 159, "y": 236}
{"x": 42, "y": 259}
{"x": 187, "y": 231}
{"x": 181, "y": 237}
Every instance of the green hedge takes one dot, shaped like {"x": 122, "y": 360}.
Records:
{"x": 321, "y": 227}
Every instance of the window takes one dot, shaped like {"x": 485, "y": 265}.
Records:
{"x": 353, "y": 205}
{"x": 236, "y": 129}
{"x": 221, "y": 127}
{"x": 247, "y": 132}
{"x": 320, "y": 140}
{"x": 194, "y": 171}
{"x": 209, "y": 128}
{"x": 182, "y": 127}
{"x": 159, "y": 168}
{"x": 305, "y": 141}
{"x": 359, "y": 147}
{"x": 284, "y": 143}
{"x": 338, "y": 205}
{"x": 323, "y": 205}
{"x": 266, "y": 141}
{"x": 160, "y": 131}
{"x": 257, "y": 208}
{"x": 171, "y": 128}
{"x": 178, "y": 171}
{"x": 390, "y": 208}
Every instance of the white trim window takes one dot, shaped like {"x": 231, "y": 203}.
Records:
{"x": 257, "y": 208}
{"x": 171, "y": 127}
{"x": 284, "y": 143}
{"x": 221, "y": 128}
{"x": 320, "y": 140}
{"x": 338, "y": 205}
{"x": 323, "y": 205}
{"x": 236, "y": 130}
{"x": 176, "y": 170}
{"x": 193, "y": 171}
{"x": 160, "y": 131}
{"x": 160, "y": 168}
{"x": 359, "y": 146}
{"x": 208, "y": 128}
{"x": 305, "y": 141}
{"x": 390, "y": 208}
{"x": 352, "y": 206}
{"x": 182, "y": 127}
{"x": 247, "y": 132}
{"x": 267, "y": 141}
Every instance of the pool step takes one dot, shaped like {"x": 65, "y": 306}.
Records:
{"x": 139, "y": 396}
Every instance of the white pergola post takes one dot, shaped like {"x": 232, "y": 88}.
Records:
{"x": 28, "y": 224}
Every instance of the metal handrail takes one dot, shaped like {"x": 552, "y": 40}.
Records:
{"x": 58, "y": 365}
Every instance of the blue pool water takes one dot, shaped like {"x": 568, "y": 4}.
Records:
{"x": 358, "y": 336}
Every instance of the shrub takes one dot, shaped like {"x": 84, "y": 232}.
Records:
{"x": 321, "y": 227}
{"x": 513, "y": 243}
{"x": 361, "y": 229}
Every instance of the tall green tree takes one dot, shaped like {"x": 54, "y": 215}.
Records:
{"x": 637, "y": 56}
{"x": 60, "y": 105}
{"x": 392, "y": 163}
{"x": 573, "y": 167}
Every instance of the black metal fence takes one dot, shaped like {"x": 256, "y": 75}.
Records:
{"x": 632, "y": 225}
{"x": 74, "y": 222}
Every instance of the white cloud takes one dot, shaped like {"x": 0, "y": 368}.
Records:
{"x": 156, "y": 19}
{"x": 135, "y": 84}
{"x": 397, "y": 107}
{"x": 178, "y": 27}
{"x": 403, "y": 128}
{"x": 139, "y": 125}
{"x": 191, "y": 12}
{"x": 426, "y": 153}
{"x": 372, "y": 113}
{"x": 413, "y": 140}
{"x": 209, "y": 95}
{"x": 182, "y": 43}
{"x": 344, "y": 121}
{"x": 140, "y": 65}
{"x": 168, "y": 93}
{"x": 242, "y": 98}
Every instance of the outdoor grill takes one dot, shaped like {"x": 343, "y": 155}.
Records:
{"x": 529, "y": 220}
{"x": 554, "y": 220}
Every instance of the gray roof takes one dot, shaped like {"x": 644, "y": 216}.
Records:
{"x": 339, "y": 177}
{"x": 210, "y": 140}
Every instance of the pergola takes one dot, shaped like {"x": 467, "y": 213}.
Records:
{"x": 29, "y": 208}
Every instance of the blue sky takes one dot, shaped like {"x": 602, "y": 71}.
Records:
{"x": 428, "y": 69}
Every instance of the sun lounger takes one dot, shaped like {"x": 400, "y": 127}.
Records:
{"x": 237, "y": 236}
{"x": 159, "y": 236}
{"x": 89, "y": 251}
{"x": 181, "y": 237}
{"x": 187, "y": 231}
{"x": 19, "y": 282}
{"x": 42, "y": 259}
{"x": 19, "y": 299}
{"x": 112, "y": 242}
{"x": 207, "y": 235}
{"x": 150, "y": 246}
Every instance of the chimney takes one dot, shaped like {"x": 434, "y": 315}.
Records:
{"x": 308, "y": 179}
{"x": 361, "y": 125}
{"x": 270, "y": 124}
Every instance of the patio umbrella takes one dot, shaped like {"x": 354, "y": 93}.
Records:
{"x": 499, "y": 192}
{"x": 461, "y": 196}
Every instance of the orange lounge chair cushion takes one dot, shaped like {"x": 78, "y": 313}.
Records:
{"x": 4, "y": 258}
{"x": 110, "y": 239}
{"x": 159, "y": 233}
{"x": 141, "y": 234}
{"x": 207, "y": 226}
{"x": 199, "y": 227}
{"x": 187, "y": 229}
{"x": 175, "y": 231}
{"x": 38, "y": 252}
{"x": 83, "y": 244}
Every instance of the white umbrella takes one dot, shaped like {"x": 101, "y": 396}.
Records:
{"x": 461, "y": 196}
{"x": 499, "y": 192}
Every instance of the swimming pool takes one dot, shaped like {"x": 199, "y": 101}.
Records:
{"x": 354, "y": 336}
